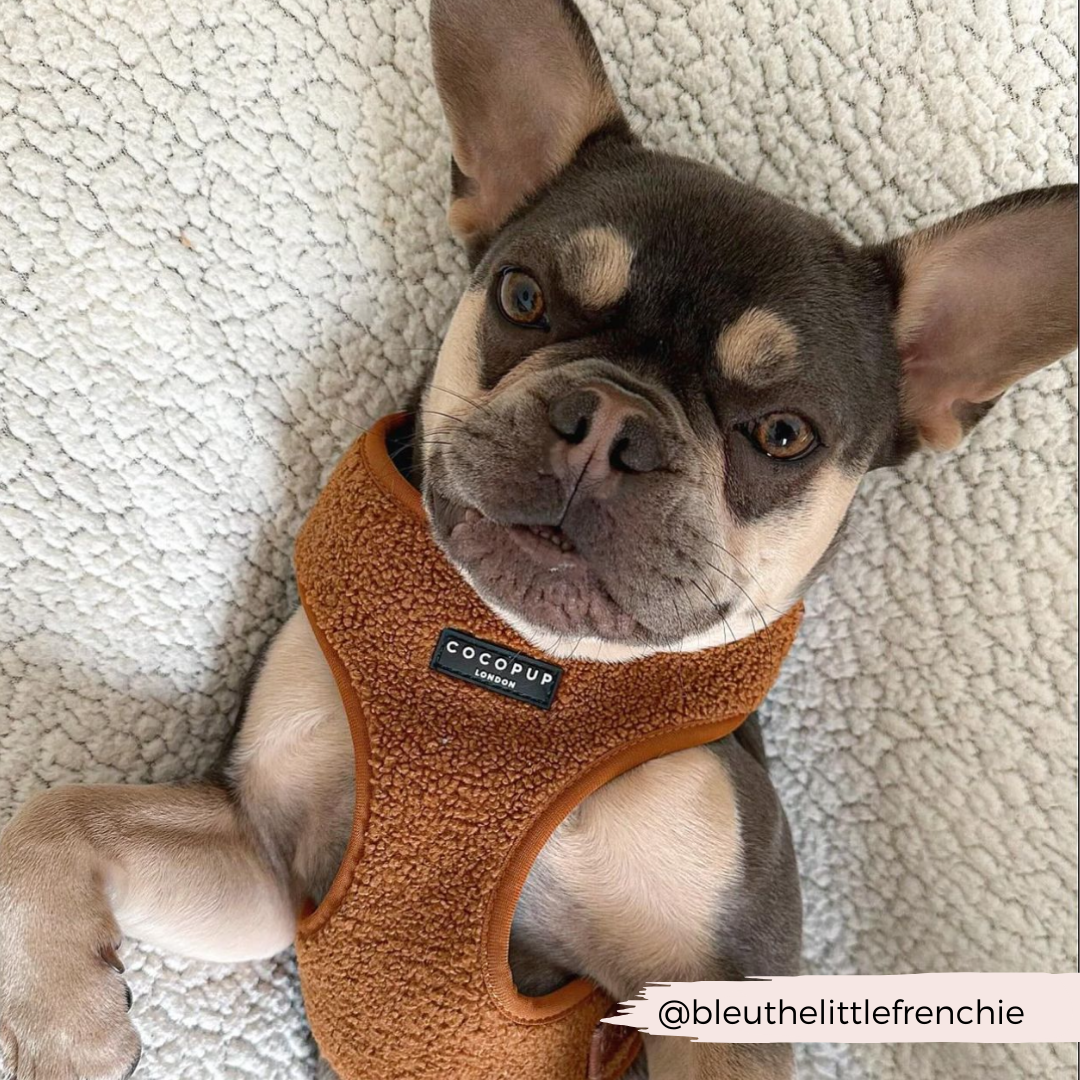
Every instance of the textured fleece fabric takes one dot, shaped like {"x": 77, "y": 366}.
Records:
{"x": 224, "y": 253}
{"x": 404, "y": 964}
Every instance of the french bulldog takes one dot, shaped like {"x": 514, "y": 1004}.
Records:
{"x": 704, "y": 374}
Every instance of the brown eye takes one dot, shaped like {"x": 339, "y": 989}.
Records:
{"x": 521, "y": 300}
{"x": 783, "y": 435}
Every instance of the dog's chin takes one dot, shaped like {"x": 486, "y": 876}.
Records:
{"x": 534, "y": 577}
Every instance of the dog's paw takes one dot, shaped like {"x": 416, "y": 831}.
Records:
{"x": 64, "y": 1014}
{"x": 63, "y": 998}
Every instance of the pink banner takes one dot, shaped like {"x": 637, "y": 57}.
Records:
{"x": 952, "y": 1007}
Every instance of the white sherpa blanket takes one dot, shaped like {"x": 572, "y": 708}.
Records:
{"x": 223, "y": 252}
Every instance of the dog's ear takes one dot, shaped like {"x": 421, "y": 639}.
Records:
{"x": 981, "y": 300}
{"x": 523, "y": 86}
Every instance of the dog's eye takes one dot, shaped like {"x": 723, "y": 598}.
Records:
{"x": 521, "y": 300}
{"x": 783, "y": 435}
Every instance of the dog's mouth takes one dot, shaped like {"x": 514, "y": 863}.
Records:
{"x": 547, "y": 544}
{"x": 551, "y": 536}
{"x": 532, "y": 571}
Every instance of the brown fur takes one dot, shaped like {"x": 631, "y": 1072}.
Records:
{"x": 595, "y": 266}
{"x": 758, "y": 348}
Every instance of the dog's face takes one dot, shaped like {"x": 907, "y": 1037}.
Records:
{"x": 661, "y": 388}
{"x": 654, "y": 404}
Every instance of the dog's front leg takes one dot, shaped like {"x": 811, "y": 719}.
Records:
{"x": 674, "y": 1058}
{"x": 80, "y": 867}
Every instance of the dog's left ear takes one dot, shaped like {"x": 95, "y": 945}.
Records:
{"x": 981, "y": 300}
{"x": 523, "y": 86}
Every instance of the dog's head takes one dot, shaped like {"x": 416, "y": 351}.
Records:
{"x": 661, "y": 387}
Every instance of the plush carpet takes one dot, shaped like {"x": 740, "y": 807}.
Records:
{"x": 223, "y": 252}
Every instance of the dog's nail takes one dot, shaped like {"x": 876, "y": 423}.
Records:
{"x": 108, "y": 954}
{"x": 128, "y": 995}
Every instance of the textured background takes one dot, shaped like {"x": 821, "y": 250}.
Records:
{"x": 222, "y": 252}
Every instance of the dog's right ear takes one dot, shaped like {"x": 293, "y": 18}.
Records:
{"x": 982, "y": 300}
{"x": 523, "y": 86}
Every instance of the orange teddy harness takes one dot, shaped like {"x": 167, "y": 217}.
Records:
{"x": 460, "y": 780}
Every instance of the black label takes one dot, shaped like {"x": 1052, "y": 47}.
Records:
{"x": 510, "y": 673}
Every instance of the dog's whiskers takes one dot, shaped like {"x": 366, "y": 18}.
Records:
{"x": 738, "y": 585}
{"x": 724, "y": 550}
{"x": 446, "y": 415}
{"x": 717, "y": 607}
{"x": 462, "y": 397}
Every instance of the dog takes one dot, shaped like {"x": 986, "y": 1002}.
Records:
{"x": 706, "y": 374}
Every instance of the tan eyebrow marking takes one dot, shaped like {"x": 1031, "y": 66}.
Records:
{"x": 595, "y": 264}
{"x": 757, "y": 348}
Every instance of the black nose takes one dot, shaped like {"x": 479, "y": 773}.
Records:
{"x": 606, "y": 429}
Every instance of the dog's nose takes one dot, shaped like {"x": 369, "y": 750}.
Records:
{"x": 604, "y": 429}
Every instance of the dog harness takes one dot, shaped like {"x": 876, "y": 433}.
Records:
{"x": 470, "y": 748}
